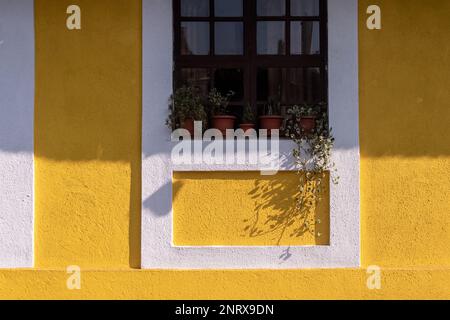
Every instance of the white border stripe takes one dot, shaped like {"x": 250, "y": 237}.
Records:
{"x": 16, "y": 132}
{"x": 157, "y": 249}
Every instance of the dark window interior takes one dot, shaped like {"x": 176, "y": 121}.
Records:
{"x": 260, "y": 49}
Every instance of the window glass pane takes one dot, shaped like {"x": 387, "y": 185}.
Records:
{"x": 196, "y": 77}
{"x": 228, "y": 8}
{"x": 271, "y": 8}
{"x": 303, "y": 8}
{"x": 305, "y": 37}
{"x": 195, "y": 8}
{"x": 226, "y": 80}
{"x": 271, "y": 37}
{"x": 194, "y": 38}
{"x": 229, "y": 38}
{"x": 289, "y": 85}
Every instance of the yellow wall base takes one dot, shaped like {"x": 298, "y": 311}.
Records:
{"x": 170, "y": 285}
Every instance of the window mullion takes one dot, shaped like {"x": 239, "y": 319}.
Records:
{"x": 252, "y": 68}
{"x": 288, "y": 27}
{"x": 211, "y": 28}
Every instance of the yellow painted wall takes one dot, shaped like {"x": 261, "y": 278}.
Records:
{"x": 87, "y": 134}
{"x": 305, "y": 284}
{"x": 245, "y": 209}
{"x": 404, "y": 132}
{"x": 87, "y": 164}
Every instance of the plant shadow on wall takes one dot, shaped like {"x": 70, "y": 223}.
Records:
{"x": 284, "y": 213}
{"x": 293, "y": 208}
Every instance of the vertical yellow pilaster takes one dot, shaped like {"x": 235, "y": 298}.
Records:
{"x": 87, "y": 134}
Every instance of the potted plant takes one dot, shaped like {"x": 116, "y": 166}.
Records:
{"x": 221, "y": 119}
{"x": 313, "y": 161}
{"x": 271, "y": 120}
{"x": 185, "y": 107}
{"x": 248, "y": 119}
{"x": 305, "y": 116}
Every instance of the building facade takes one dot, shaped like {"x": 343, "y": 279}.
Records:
{"x": 86, "y": 177}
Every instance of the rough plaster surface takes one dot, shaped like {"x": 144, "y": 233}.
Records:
{"x": 16, "y": 132}
{"x": 87, "y": 150}
{"x": 227, "y": 218}
{"x": 405, "y": 146}
{"x": 234, "y": 285}
{"x": 157, "y": 248}
{"x": 404, "y": 186}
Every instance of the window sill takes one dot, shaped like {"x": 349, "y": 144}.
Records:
{"x": 282, "y": 150}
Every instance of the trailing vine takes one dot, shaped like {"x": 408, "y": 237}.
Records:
{"x": 313, "y": 162}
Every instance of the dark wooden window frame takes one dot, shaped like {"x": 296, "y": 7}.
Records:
{"x": 250, "y": 61}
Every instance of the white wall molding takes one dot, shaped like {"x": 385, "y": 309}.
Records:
{"x": 16, "y": 132}
{"x": 157, "y": 249}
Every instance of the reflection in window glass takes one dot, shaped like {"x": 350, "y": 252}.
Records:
{"x": 228, "y": 8}
{"x": 271, "y": 38}
{"x": 196, "y": 77}
{"x": 291, "y": 85}
{"x": 271, "y": 8}
{"x": 305, "y": 37}
{"x": 194, "y": 38}
{"x": 229, "y": 39}
{"x": 303, "y": 8}
{"x": 226, "y": 80}
{"x": 195, "y": 8}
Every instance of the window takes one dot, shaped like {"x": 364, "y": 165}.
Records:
{"x": 260, "y": 49}
{"x": 157, "y": 176}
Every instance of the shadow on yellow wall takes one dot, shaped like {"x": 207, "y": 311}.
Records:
{"x": 404, "y": 134}
{"x": 404, "y": 79}
{"x": 88, "y": 135}
{"x": 245, "y": 209}
{"x": 278, "y": 211}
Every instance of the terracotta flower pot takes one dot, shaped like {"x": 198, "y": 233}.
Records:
{"x": 188, "y": 124}
{"x": 270, "y": 123}
{"x": 308, "y": 124}
{"x": 247, "y": 126}
{"x": 223, "y": 123}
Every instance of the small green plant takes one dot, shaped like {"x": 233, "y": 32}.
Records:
{"x": 314, "y": 166}
{"x": 273, "y": 107}
{"x": 185, "y": 103}
{"x": 304, "y": 110}
{"x": 312, "y": 157}
{"x": 219, "y": 102}
{"x": 248, "y": 116}
{"x": 313, "y": 151}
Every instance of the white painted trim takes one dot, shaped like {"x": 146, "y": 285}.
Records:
{"x": 16, "y": 133}
{"x": 157, "y": 249}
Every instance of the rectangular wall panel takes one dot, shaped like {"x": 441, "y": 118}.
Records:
{"x": 244, "y": 208}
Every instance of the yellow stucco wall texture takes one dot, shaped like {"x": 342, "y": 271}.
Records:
{"x": 404, "y": 132}
{"x": 87, "y": 134}
{"x": 245, "y": 209}
{"x": 88, "y": 159}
